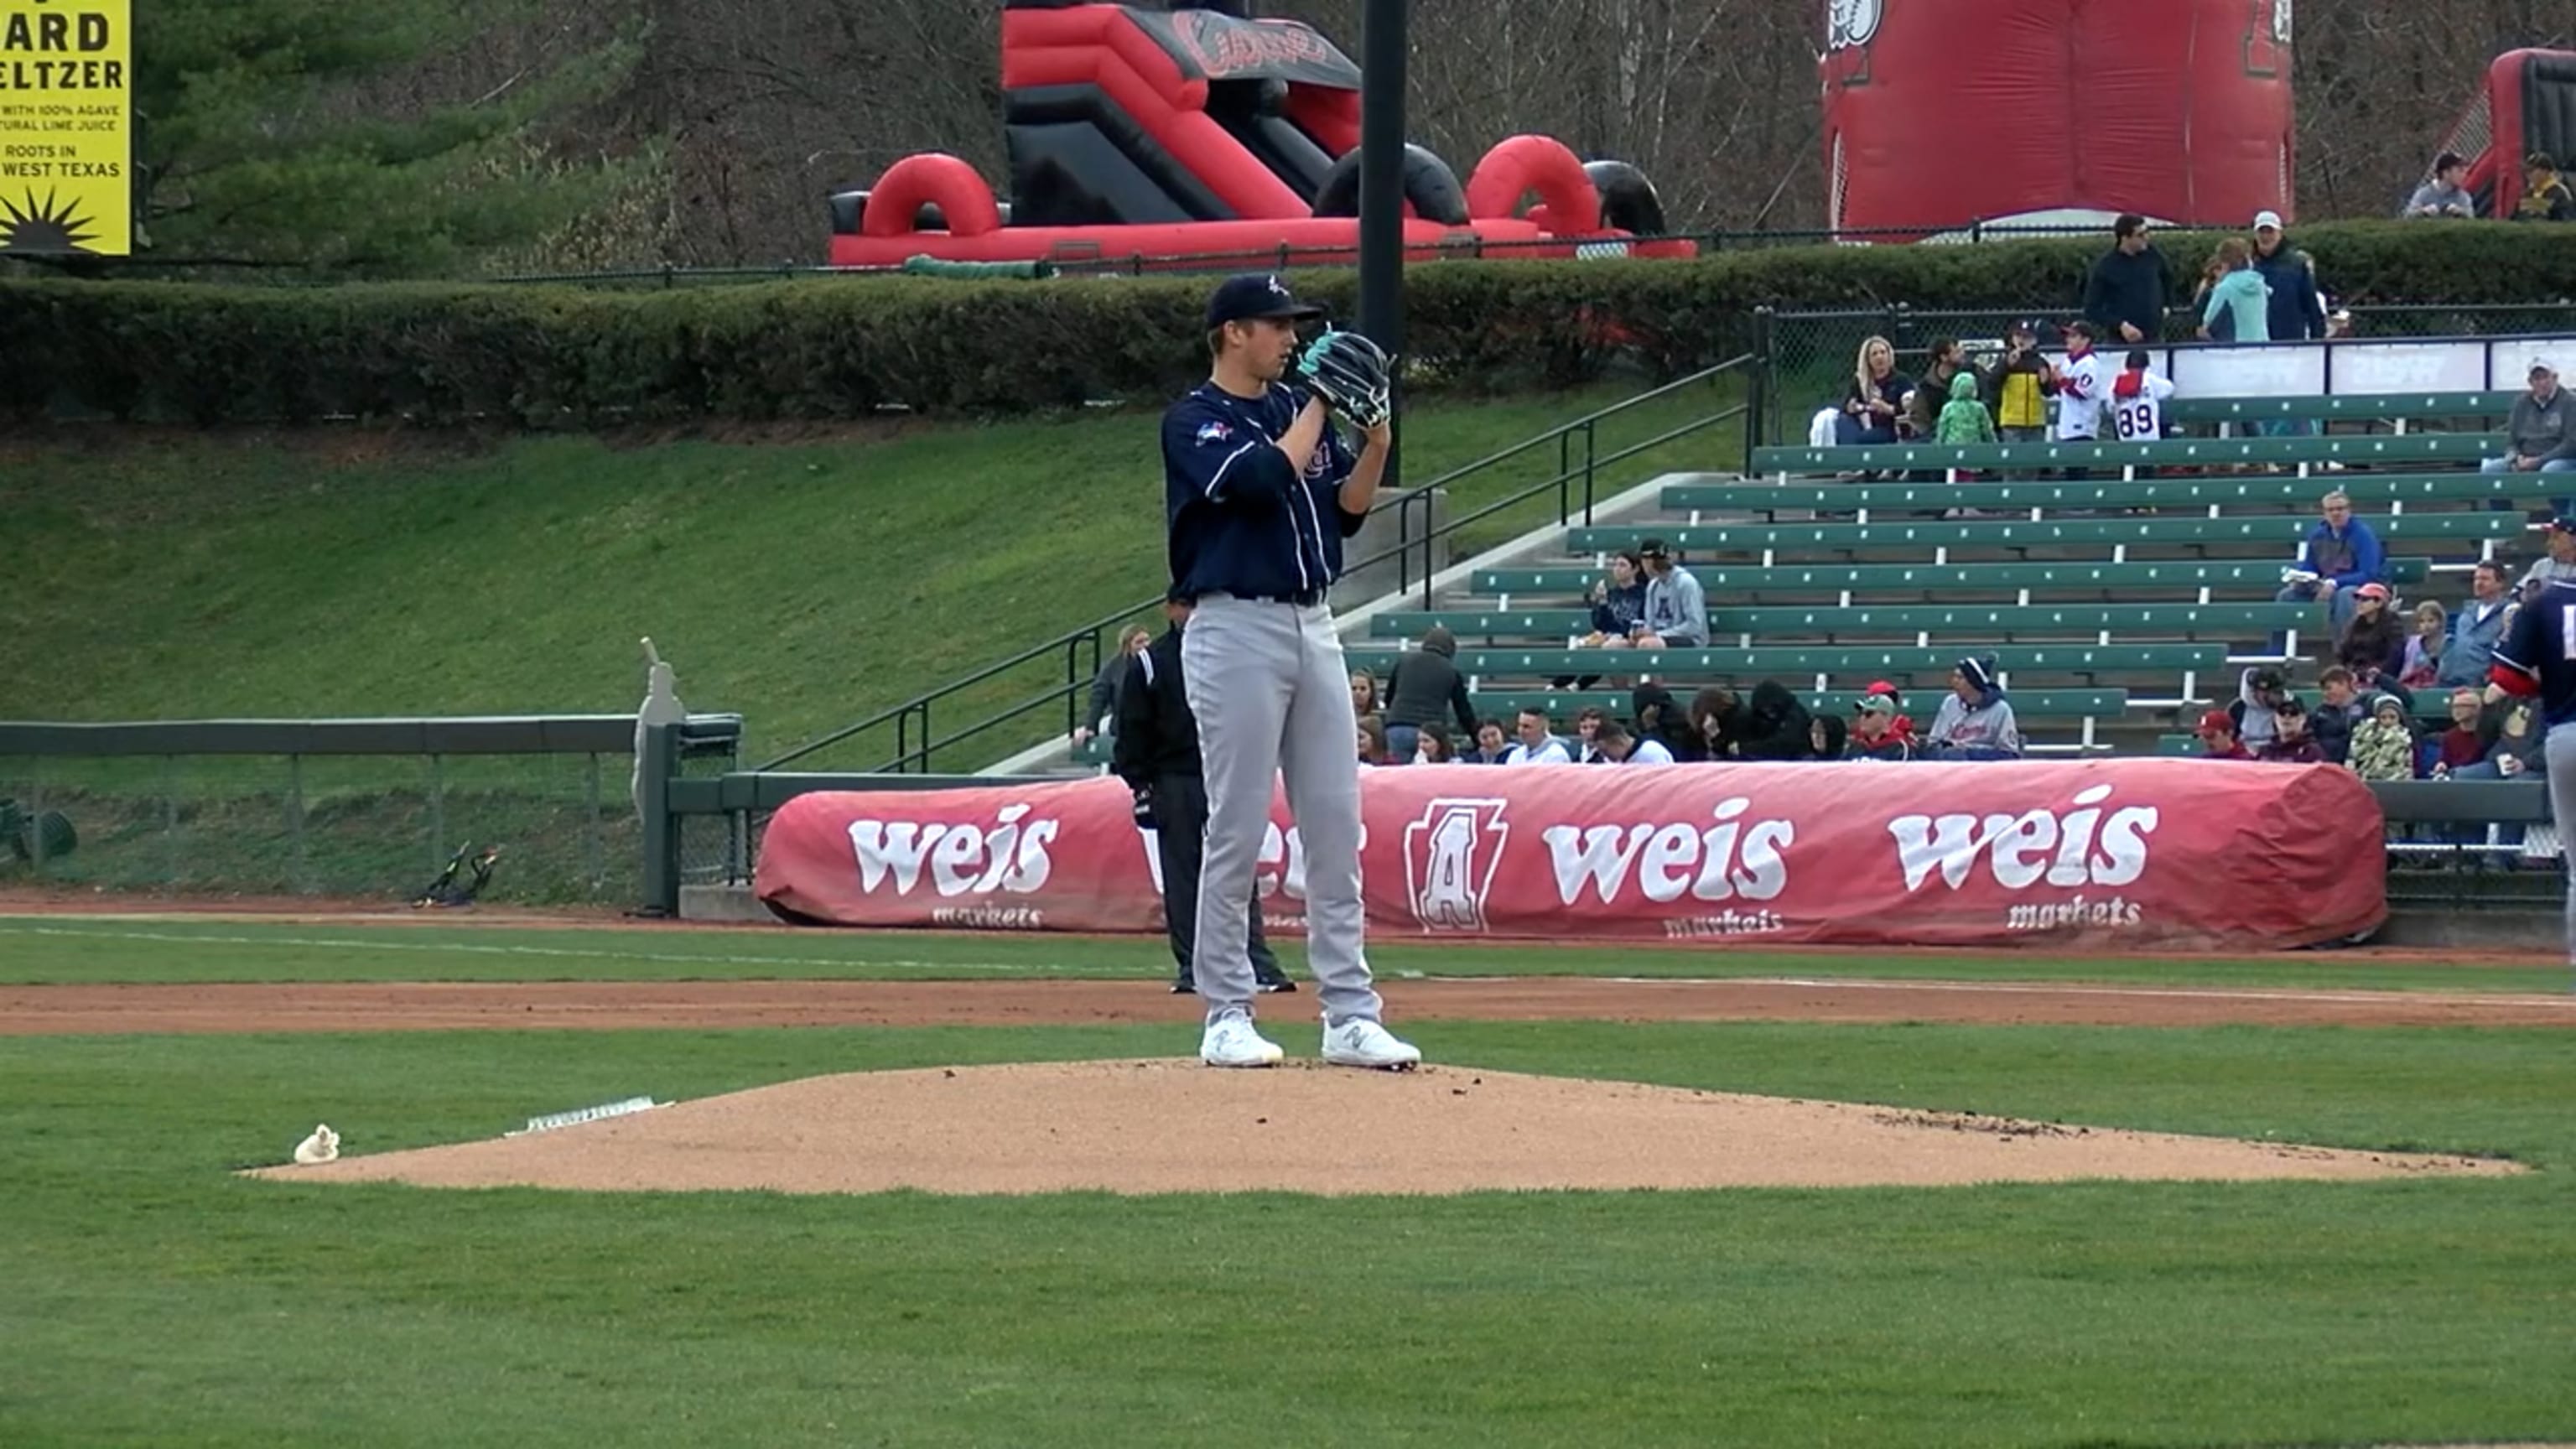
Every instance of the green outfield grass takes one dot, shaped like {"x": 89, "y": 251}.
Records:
{"x": 69, "y": 949}
{"x": 804, "y": 580}
{"x": 153, "y": 1297}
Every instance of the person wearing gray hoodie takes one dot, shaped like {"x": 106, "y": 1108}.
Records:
{"x": 1424, "y": 683}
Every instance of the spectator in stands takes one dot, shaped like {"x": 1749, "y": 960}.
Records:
{"x": 2261, "y": 694}
{"x": 1618, "y": 611}
{"x": 1493, "y": 744}
{"x": 2447, "y": 194}
{"x": 2298, "y": 310}
{"x": 1538, "y": 745}
{"x": 2420, "y": 666}
{"x": 1870, "y": 404}
{"x": 1622, "y": 748}
{"x": 1717, "y": 718}
{"x": 2341, "y": 709}
{"x": 2476, "y": 629}
{"x": 1828, "y": 737}
{"x": 2083, "y": 385}
{"x": 1587, "y": 735}
{"x": 2295, "y": 744}
{"x": 1424, "y": 685}
{"x": 1775, "y": 726}
{"x": 2383, "y": 748}
{"x": 1964, "y": 419}
{"x": 2239, "y": 296}
{"x": 2545, "y": 196}
{"x": 2212, "y": 272}
{"x": 2465, "y": 743}
{"x": 2218, "y": 737}
{"x": 2339, "y": 324}
{"x": 2373, "y": 642}
{"x": 1676, "y": 608}
{"x": 1976, "y": 721}
{"x": 1364, "y": 699}
{"x": 2124, "y": 295}
{"x": 2541, "y": 431}
{"x": 2021, "y": 387}
{"x": 1657, "y": 716}
{"x": 2513, "y": 747}
{"x": 1900, "y": 722}
{"x": 1432, "y": 746}
{"x": 2559, "y": 538}
{"x": 2137, "y": 401}
{"x": 1101, "y": 714}
{"x": 1925, "y": 401}
{"x": 1372, "y": 742}
{"x": 2339, "y": 555}
{"x": 1875, "y": 732}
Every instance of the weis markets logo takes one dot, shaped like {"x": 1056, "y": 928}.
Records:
{"x": 2086, "y": 847}
{"x": 1735, "y": 858}
{"x": 1449, "y": 860}
{"x": 961, "y": 859}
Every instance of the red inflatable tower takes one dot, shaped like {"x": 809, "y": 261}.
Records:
{"x": 1939, "y": 113}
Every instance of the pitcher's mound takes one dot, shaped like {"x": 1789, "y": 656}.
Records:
{"x": 1175, "y": 1126}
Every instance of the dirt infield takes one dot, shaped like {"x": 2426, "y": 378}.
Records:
{"x": 1148, "y": 1126}
{"x": 466, "y": 1006}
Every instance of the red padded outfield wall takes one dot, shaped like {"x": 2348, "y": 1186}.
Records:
{"x": 1943, "y": 112}
{"x": 2189, "y": 854}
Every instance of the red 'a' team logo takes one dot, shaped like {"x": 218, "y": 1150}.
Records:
{"x": 1449, "y": 860}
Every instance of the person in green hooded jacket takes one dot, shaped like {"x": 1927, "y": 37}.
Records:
{"x": 1964, "y": 418}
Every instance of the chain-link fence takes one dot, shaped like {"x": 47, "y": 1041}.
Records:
{"x": 1811, "y": 357}
{"x": 348, "y": 812}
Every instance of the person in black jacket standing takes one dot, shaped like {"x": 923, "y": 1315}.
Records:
{"x": 1157, "y": 754}
{"x": 2125, "y": 293}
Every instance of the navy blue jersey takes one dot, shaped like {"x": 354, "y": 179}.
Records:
{"x": 2538, "y": 655}
{"x": 1242, "y": 521}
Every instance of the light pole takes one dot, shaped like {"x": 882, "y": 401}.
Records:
{"x": 1382, "y": 86}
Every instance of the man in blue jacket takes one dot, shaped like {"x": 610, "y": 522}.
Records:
{"x": 2339, "y": 555}
{"x": 2298, "y": 311}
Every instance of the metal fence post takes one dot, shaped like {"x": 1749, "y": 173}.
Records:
{"x": 36, "y": 824}
{"x": 170, "y": 819}
{"x": 300, "y": 877}
{"x": 1766, "y": 366}
{"x": 594, "y": 849}
{"x": 661, "y": 832}
{"x": 437, "y": 812}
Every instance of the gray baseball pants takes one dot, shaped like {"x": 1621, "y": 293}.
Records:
{"x": 2559, "y": 750}
{"x": 1272, "y": 695}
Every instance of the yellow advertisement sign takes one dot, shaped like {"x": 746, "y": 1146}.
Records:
{"x": 67, "y": 127}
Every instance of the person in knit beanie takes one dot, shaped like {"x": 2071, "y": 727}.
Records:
{"x": 1976, "y": 721}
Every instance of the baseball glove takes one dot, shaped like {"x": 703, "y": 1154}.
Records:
{"x": 1349, "y": 372}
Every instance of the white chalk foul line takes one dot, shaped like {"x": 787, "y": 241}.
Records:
{"x": 438, "y": 948}
{"x": 2179, "y": 993}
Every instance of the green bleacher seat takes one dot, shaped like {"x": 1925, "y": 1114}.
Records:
{"x": 2281, "y": 530}
{"x": 2231, "y": 620}
{"x": 2037, "y": 704}
{"x": 2180, "y": 745}
{"x": 2370, "y": 492}
{"x": 1729, "y": 580}
{"x": 2353, "y": 406}
{"x": 1863, "y": 663}
{"x": 2382, "y": 448}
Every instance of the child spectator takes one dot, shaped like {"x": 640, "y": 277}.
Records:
{"x": 2022, "y": 388}
{"x": 2465, "y": 742}
{"x": 2383, "y": 748}
{"x": 2138, "y": 400}
{"x": 2083, "y": 382}
{"x": 2218, "y": 737}
{"x": 2293, "y": 745}
{"x": 1976, "y": 721}
{"x": 1828, "y": 735}
{"x": 2420, "y": 667}
{"x": 1964, "y": 419}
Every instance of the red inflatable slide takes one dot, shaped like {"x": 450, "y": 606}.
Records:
{"x": 1166, "y": 135}
{"x": 2528, "y": 105}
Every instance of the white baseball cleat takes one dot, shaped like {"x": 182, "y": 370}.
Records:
{"x": 1363, "y": 1043}
{"x": 1231, "y": 1042}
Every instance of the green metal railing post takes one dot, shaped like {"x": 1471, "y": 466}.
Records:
{"x": 302, "y": 877}
{"x": 594, "y": 839}
{"x": 661, "y": 830}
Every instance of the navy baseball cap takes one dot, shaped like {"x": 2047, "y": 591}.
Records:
{"x": 1241, "y": 299}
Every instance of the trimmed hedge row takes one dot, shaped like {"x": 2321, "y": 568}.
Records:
{"x": 843, "y": 347}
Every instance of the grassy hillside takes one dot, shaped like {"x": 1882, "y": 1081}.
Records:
{"x": 804, "y": 583}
